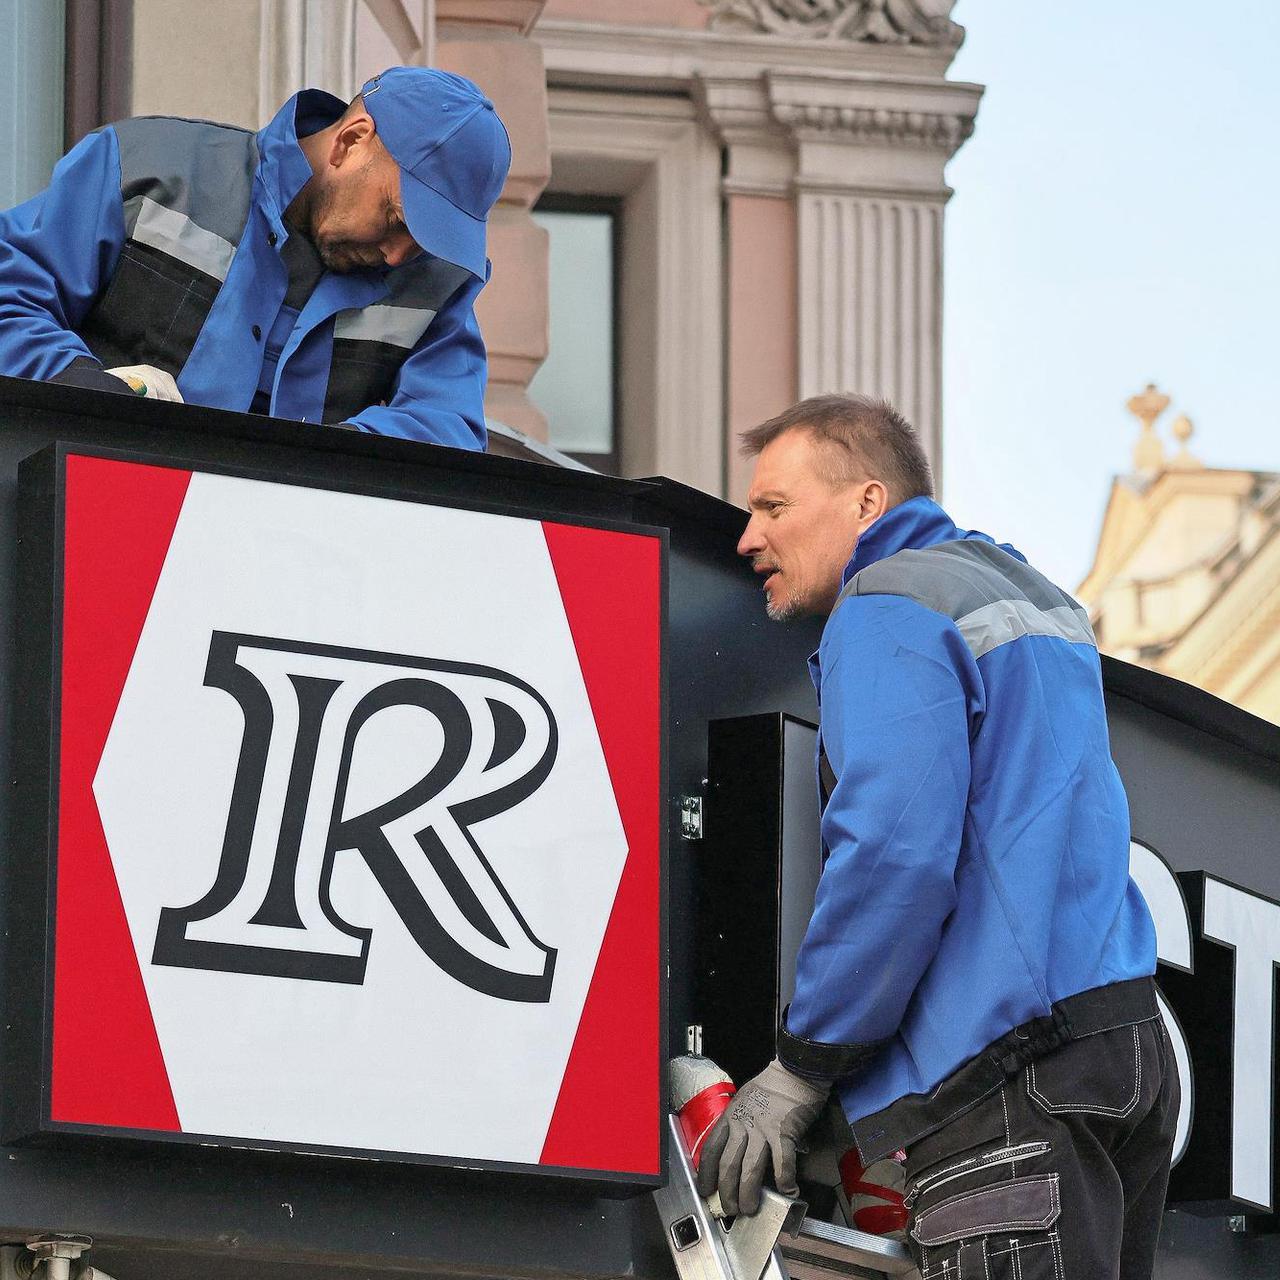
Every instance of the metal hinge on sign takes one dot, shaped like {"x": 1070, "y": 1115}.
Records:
{"x": 693, "y": 1038}
{"x": 691, "y": 817}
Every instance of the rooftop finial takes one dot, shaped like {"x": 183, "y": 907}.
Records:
{"x": 1183, "y": 430}
{"x": 1147, "y": 406}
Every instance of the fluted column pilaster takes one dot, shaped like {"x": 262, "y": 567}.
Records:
{"x": 870, "y": 196}
{"x": 871, "y": 300}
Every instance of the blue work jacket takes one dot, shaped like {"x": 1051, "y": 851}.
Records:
{"x": 59, "y": 253}
{"x": 977, "y": 834}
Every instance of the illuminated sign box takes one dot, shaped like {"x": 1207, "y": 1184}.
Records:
{"x": 352, "y": 813}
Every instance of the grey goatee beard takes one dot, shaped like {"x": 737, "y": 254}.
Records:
{"x": 779, "y": 612}
{"x": 775, "y": 612}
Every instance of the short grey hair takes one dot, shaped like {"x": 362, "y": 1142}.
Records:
{"x": 866, "y": 439}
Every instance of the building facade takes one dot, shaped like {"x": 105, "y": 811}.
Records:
{"x": 715, "y": 206}
{"x": 1186, "y": 579}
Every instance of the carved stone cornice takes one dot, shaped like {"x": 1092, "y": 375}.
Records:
{"x": 853, "y": 110}
{"x": 878, "y": 125}
{"x": 603, "y": 55}
{"x": 924, "y": 22}
{"x": 792, "y": 114}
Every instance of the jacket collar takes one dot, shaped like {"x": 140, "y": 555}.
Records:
{"x": 284, "y": 168}
{"x": 912, "y": 526}
{"x": 916, "y": 523}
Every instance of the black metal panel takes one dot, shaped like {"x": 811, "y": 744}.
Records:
{"x": 801, "y": 847}
{"x": 26, "y": 869}
{"x": 740, "y": 905}
{"x": 761, "y": 864}
{"x": 1202, "y": 1003}
{"x": 1204, "y": 791}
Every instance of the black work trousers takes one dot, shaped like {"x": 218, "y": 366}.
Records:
{"x": 1059, "y": 1175}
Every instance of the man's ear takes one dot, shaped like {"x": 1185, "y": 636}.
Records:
{"x": 351, "y": 135}
{"x": 873, "y": 502}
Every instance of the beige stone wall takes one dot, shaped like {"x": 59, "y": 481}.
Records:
{"x": 1186, "y": 579}
{"x": 375, "y": 50}
{"x": 489, "y": 44}
{"x": 1232, "y": 647}
{"x": 236, "y": 61}
{"x": 761, "y": 318}
{"x": 1187, "y": 530}
{"x": 194, "y": 59}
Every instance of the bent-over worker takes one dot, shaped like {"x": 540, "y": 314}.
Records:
{"x": 323, "y": 269}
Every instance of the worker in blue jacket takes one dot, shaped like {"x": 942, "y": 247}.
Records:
{"x": 975, "y": 981}
{"x": 324, "y": 269}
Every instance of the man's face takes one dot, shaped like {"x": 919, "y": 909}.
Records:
{"x": 803, "y": 530}
{"x": 357, "y": 220}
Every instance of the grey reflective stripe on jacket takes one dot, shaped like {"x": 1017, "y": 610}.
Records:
{"x": 371, "y": 343}
{"x": 991, "y": 596}
{"x": 178, "y": 236}
{"x": 186, "y": 188}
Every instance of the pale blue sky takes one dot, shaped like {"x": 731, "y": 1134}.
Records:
{"x": 1115, "y": 222}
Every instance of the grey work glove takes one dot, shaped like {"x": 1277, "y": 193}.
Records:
{"x": 765, "y": 1120}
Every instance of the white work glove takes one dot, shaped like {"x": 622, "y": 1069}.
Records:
{"x": 146, "y": 380}
{"x": 762, "y": 1125}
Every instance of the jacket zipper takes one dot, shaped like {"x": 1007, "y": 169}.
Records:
{"x": 1005, "y": 1155}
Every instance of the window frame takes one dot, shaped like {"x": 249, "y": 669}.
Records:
{"x": 565, "y": 202}
{"x": 653, "y": 152}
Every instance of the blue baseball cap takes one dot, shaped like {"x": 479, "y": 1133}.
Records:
{"x": 453, "y": 154}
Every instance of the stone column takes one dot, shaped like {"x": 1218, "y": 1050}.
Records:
{"x": 870, "y": 196}
{"x": 759, "y": 263}
{"x": 487, "y": 41}
{"x": 846, "y": 116}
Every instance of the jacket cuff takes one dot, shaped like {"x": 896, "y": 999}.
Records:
{"x": 815, "y": 1060}
{"x": 84, "y": 371}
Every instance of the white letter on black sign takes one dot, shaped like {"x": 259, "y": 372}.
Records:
{"x": 1250, "y": 925}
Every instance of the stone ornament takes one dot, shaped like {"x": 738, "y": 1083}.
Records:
{"x": 878, "y": 125}
{"x": 924, "y": 22}
{"x": 1147, "y": 406}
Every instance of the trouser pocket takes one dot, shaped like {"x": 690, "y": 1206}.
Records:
{"x": 1096, "y": 1076}
{"x": 964, "y": 1261}
{"x": 1008, "y": 1230}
